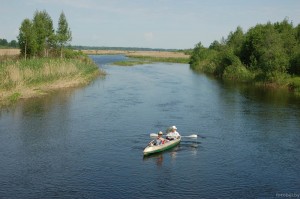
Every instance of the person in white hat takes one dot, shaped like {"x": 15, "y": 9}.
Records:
{"x": 173, "y": 134}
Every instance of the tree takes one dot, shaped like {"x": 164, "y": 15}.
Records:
{"x": 27, "y": 39}
{"x": 216, "y": 45}
{"x": 235, "y": 40}
{"x": 13, "y": 44}
{"x": 43, "y": 27}
{"x": 288, "y": 36}
{"x": 63, "y": 33}
{"x": 297, "y": 32}
{"x": 3, "y": 42}
{"x": 196, "y": 55}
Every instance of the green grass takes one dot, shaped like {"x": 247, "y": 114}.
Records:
{"x": 162, "y": 59}
{"x": 294, "y": 84}
{"x": 131, "y": 62}
{"x": 18, "y": 77}
{"x": 14, "y": 97}
{"x": 35, "y": 71}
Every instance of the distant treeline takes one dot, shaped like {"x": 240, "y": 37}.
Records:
{"x": 268, "y": 53}
{"x": 121, "y": 48}
{"x": 5, "y": 44}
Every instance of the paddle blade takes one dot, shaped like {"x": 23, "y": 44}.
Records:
{"x": 153, "y": 135}
{"x": 191, "y": 136}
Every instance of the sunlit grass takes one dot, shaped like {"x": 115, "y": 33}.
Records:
{"x": 130, "y": 62}
{"x": 183, "y": 60}
{"x": 25, "y": 75}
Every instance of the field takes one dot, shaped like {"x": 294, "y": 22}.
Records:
{"x": 9, "y": 52}
{"x": 161, "y": 54}
{"x": 141, "y": 57}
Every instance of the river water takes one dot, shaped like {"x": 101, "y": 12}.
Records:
{"x": 87, "y": 142}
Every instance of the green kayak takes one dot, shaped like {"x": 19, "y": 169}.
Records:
{"x": 159, "y": 148}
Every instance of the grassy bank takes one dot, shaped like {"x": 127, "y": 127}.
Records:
{"x": 130, "y": 62}
{"x": 33, "y": 77}
{"x": 139, "y": 60}
{"x": 142, "y": 57}
{"x": 183, "y": 60}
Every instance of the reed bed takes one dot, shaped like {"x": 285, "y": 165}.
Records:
{"x": 156, "y": 54}
{"x": 23, "y": 77}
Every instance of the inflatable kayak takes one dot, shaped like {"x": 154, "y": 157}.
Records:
{"x": 158, "y": 148}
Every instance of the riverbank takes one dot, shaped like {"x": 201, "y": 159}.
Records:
{"x": 34, "y": 77}
{"x": 141, "y": 57}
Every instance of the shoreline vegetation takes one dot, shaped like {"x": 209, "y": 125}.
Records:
{"x": 266, "y": 55}
{"x": 43, "y": 62}
{"x": 21, "y": 79}
{"x": 143, "y": 57}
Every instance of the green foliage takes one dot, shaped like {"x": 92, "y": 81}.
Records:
{"x": 199, "y": 54}
{"x": 238, "y": 73}
{"x": 27, "y": 39}
{"x": 294, "y": 68}
{"x": 5, "y": 44}
{"x": 269, "y": 47}
{"x": 204, "y": 59}
{"x": 161, "y": 59}
{"x": 37, "y": 37}
{"x": 216, "y": 46}
{"x": 43, "y": 27}
{"x": 14, "y": 97}
{"x": 295, "y": 84}
{"x": 130, "y": 62}
{"x": 226, "y": 58}
{"x": 235, "y": 41}
{"x": 266, "y": 52}
{"x": 63, "y": 33}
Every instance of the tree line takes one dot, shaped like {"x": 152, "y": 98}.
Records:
{"x": 4, "y": 43}
{"x": 37, "y": 37}
{"x": 266, "y": 52}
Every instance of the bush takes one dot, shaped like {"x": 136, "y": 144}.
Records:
{"x": 238, "y": 73}
{"x": 295, "y": 84}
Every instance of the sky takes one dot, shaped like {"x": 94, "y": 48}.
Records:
{"x": 168, "y": 24}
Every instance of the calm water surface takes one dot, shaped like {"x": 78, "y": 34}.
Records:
{"x": 88, "y": 142}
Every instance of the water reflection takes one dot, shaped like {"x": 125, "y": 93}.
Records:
{"x": 268, "y": 96}
{"x": 158, "y": 158}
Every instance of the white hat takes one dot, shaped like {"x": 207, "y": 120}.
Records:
{"x": 174, "y": 127}
{"x": 160, "y": 133}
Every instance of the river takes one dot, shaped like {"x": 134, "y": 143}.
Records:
{"x": 87, "y": 142}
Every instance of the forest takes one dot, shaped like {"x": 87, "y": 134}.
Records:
{"x": 267, "y": 54}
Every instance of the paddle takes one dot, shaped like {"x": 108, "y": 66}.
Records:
{"x": 188, "y": 136}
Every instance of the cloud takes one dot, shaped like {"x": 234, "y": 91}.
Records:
{"x": 148, "y": 36}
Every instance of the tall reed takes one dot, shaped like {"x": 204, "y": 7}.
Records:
{"x": 36, "y": 71}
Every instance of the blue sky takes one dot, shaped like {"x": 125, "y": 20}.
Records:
{"x": 175, "y": 24}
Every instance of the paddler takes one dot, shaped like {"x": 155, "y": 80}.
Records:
{"x": 173, "y": 134}
{"x": 158, "y": 140}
